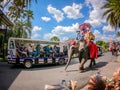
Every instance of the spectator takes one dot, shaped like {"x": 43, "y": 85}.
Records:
{"x": 38, "y": 48}
{"x": 31, "y": 50}
{"x": 51, "y": 52}
{"x": 47, "y": 50}
{"x": 55, "y": 49}
{"x": 22, "y": 50}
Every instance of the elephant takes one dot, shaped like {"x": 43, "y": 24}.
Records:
{"x": 82, "y": 50}
{"x": 85, "y": 50}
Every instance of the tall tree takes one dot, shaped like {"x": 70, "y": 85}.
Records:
{"x": 29, "y": 15}
{"x": 112, "y": 11}
{"x": 101, "y": 43}
{"x": 55, "y": 38}
{"x": 16, "y": 7}
{"x": 19, "y": 30}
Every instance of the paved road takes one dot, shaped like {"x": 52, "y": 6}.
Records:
{"x": 18, "y": 78}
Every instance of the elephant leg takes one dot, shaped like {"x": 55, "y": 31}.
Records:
{"x": 70, "y": 53}
{"x": 92, "y": 62}
{"x": 80, "y": 57}
{"x": 90, "y": 65}
{"x": 81, "y": 67}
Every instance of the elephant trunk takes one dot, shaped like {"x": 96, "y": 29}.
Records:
{"x": 70, "y": 52}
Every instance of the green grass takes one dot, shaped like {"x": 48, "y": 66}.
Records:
{"x": 105, "y": 50}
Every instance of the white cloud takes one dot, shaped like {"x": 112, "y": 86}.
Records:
{"x": 49, "y": 35}
{"x": 58, "y": 15}
{"x": 95, "y": 17}
{"x": 108, "y": 29}
{"x": 35, "y": 36}
{"x": 63, "y": 32}
{"x": 36, "y": 28}
{"x": 65, "y": 29}
{"x": 97, "y": 33}
{"x": 46, "y": 19}
{"x": 73, "y": 11}
{"x": 99, "y": 36}
{"x": 36, "y": 32}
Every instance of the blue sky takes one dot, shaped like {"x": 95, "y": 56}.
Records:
{"x": 62, "y": 18}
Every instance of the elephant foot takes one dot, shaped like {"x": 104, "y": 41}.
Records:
{"x": 81, "y": 71}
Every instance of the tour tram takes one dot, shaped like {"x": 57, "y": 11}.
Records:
{"x": 18, "y": 52}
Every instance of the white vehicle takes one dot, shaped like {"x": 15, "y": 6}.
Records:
{"x": 16, "y": 56}
{"x": 99, "y": 50}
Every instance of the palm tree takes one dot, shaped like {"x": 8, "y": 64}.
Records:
{"x": 16, "y": 7}
{"x": 28, "y": 14}
{"x": 28, "y": 27}
{"x": 55, "y": 38}
{"x": 19, "y": 30}
{"x": 18, "y": 3}
{"x": 112, "y": 11}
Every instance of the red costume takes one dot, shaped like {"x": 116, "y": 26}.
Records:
{"x": 93, "y": 50}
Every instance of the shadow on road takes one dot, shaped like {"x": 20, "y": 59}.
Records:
{"x": 100, "y": 64}
{"x": 7, "y": 75}
{"x": 95, "y": 67}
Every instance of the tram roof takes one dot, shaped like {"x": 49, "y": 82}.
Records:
{"x": 35, "y": 41}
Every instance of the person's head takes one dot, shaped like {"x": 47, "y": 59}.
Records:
{"x": 30, "y": 45}
{"x": 55, "y": 46}
{"x": 87, "y": 28}
{"x": 22, "y": 45}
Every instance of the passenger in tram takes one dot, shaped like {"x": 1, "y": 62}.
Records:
{"x": 22, "y": 50}
{"x": 55, "y": 50}
{"x": 38, "y": 48}
{"x": 31, "y": 50}
{"x": 47, "y": 51}
{"x": 42, "y": 52}
{"x": 51, "y": 52}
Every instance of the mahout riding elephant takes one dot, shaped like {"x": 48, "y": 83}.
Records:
{"x": 85, "y": 50}
{"x": 84, "y": 47}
